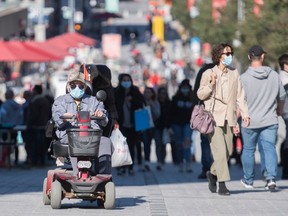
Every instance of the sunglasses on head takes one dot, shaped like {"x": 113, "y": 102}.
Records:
{"x": 80, "y": 86}
{"x": 227, "y": 53}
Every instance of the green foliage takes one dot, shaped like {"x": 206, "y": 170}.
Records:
{"x": 269, "y": 31}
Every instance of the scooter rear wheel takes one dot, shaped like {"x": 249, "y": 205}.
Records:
{"x": 109, "y": 202}
{"x": 56, "y": 195}
{"x": 46, "y": 199}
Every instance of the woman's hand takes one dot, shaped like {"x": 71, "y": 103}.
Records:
{"x": 98, "y": 113}
{"x": 213, "y": 77}
{"x": 236, "y": 130}
{"x": 246, "y": 121}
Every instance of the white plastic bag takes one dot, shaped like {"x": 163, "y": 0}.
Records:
{"x": 121, "y": 155}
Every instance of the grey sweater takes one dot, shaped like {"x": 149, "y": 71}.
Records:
{"x": 263, "y": 88}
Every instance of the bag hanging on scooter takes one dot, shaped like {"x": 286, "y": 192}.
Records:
{"x": 121, "y": 155}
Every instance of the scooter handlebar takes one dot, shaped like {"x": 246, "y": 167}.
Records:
{"x": 97, "y": 117}
{"x": 67, "y": 117}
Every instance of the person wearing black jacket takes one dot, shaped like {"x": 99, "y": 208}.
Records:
{"x": 128, "y": 98}
{"x": 163, "y": 123}
{"x": 206, "y": 156}
{"x": 100, "y": 76}
{"x": 180, "y": 114}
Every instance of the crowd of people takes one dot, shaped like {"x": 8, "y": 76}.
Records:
{"x": 33, "y": 113}
{"x": 244, "y": 105}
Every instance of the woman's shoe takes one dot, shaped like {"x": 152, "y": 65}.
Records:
{"x": 212, "y": 180}
{"x": 223, "y": 189}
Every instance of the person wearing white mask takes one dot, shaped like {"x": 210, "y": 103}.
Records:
{"x": 72, "y": 102}
{"x": 222, "y": 93}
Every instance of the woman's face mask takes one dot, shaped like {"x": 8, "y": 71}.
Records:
{"x": 77, "y": 93}
{"x": 126, "y": 84}
{"x": 227, "y": 60}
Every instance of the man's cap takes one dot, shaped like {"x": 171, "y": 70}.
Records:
{"x": 76, "y": 75}
{"x": 256, "y": 50}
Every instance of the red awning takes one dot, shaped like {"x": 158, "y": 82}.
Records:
{"x": 47, "y": 47}
{"x": 6, "y": 54}
{"x": 18, "y": 51}
{"x": 70, "y": 40}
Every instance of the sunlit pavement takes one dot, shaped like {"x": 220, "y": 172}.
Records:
{"x": 165, "y": 192}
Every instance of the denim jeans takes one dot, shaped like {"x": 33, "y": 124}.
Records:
{"x": 183, "y": 141}
{"x": 206, "y": 156}
{"x": 148, "y": 136}
{"x": 267, "y": 137}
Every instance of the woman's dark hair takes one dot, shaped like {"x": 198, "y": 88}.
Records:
{"x": 154, "y": 96}
{"x": 122, "y": 75}
{"x": 283, "y": 59}
{"x": 218, "y": 51}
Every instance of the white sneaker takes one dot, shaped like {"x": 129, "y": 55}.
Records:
{"x": 271, "y": 184}
{"x": 246, "y": 185}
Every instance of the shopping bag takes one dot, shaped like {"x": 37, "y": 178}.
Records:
{"x": 121, "y": 155}
{"x": 143, "y": 119}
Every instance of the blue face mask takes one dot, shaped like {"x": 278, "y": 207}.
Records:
{"x": 227, "y": 60}
{"x": 77, "y": 93}
{"x": 126, "y": 84}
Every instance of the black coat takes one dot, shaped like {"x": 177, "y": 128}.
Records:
{"x": 137, "y": 101}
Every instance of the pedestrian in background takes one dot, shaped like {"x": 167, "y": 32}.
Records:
{"x": 163, "y": 123}
{"x": 180, "y": 114}
{"x": 206, "y": 156}
{"x": 25, "y": 134}
{"x": 128, "y": 98}
{"x": 39, "y": 112}
{"x": 283, "y": 63}
{"x": 11, "y": 113}
{"x": 222, "y": 92}
{"x": 149, "y": 134}
{"x": 265, "y": 97}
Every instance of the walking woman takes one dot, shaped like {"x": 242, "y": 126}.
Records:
{"x": 222, "y": 93}
{"x": 180, "y": 113}
{"x": 128, "y": 98}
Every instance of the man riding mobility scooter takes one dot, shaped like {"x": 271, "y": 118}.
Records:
{"x": 86, "y": 184}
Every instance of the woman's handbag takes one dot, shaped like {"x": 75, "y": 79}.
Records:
{"x": 121, "y": 155}
{"x": 202, "y": 120}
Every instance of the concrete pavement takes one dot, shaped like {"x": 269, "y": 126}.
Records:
{"x": 154, "y": 193}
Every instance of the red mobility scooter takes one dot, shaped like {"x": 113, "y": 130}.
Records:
{"x": 87, "y": 185}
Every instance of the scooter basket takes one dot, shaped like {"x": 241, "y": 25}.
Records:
{"x": 84, "y": 142}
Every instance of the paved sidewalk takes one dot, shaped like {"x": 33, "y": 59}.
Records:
{"x": 165, "y": 192}
{"x": 153, "y": 193}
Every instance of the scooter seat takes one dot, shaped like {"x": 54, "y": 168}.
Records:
{"x": 60, "y": 149}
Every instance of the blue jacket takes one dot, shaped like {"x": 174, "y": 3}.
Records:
{"x": 11, "y": 112}
{"x": 66, "y": 104}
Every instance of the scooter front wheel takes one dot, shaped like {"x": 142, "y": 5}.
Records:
{"x": 46, "y": 199}
{"x": 109, "y": 202}
{"x": 56, "y": 195}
